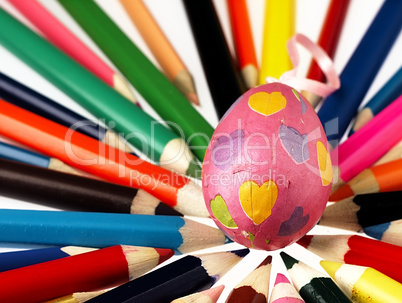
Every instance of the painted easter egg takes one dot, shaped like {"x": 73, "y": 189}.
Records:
{"x": 267, "y": 172}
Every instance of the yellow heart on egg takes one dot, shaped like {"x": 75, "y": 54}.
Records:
{"x": 267, "y": 103}
{"x": 257, "y": 201}
{"x": 324, "y": 164}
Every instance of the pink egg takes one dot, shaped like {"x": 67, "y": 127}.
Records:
{"x": 267, "y": 172}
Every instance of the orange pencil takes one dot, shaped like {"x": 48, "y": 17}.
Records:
{"x": 381, "y": 178}
{"x": 161, "y": 48}
{"x": 99, "y": 159}
{"x": 243, "y": 41}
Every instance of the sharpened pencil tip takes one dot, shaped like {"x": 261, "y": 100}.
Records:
{"x": 305, "y": 241}
{"x": 288, "y": 260}
{"x": 330, "y": 267}
{"x": 342, "y": 193}
{"x": 164, "y": 254}
{"x": 193, "y": 98}
{"x": 241, "y": 252}
{"x": 280, "y": 278}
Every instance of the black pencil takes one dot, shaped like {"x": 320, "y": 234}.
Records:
{"x": 71, "y": 192}
{"x": 224, "y": 82}
{"x": 362, "y": 211}
{"x": 187, "y": 275}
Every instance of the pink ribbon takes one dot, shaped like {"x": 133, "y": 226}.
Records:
{"x": 324, "y": 62}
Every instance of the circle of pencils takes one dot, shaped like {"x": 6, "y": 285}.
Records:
{"x": 312, "y": 285}
{"x": 187, "y": 275}
{"x": 357, "y": 250}
{"x": 102, "y": 160}
{"x": 364, "y": 284}
{"x": 361, "y": 211}
{"x": 156, "y": 89}
{"x": 140, "y": 129}
{"x": 89, "y": 271}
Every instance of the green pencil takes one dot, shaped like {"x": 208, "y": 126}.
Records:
{"x": 313, "y": 286}
{"x": 149, "y": 136}
{"x": 156, "y": 89}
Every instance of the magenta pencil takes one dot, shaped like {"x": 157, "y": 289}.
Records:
{"x": 64, "y": 39}
{"x": 284, "y": 291}
{"x": 368, "y": 144}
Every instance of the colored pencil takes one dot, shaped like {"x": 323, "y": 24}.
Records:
{"x": 381, "y": 178}
{"x": 390, "y": 232}
{"x": 364, "y": 284}
{"x": 161, "y": 94}
{"x": 78, "y": 297}
{"x": 328, "y": 40}
{"x": 357, "y": 250}
{"x": 284, "y": 291}
{"x": 255, "y": 286}
{"x": 14, "y": 153}
{"x": 141, "y": 130}
{"x": 358, "y": 212}
{"x": 64, "y": 39}
{"x": 89, "y": 271}
{"x": 99, "y": 159}
{"x": 69, "y": 192}
{"x": 22, "y": 96}
{"x": 279, "y": 27}
{"x": 187, "y": 275}
{"x": 207, "y": 296}
{"x": 16, "y": 259}
{"x": 394, "y": 153}
{"x": 361, "y": 69}
{"x": 312, "y": 285}
{"x": 225, "y": 85}
{"x": 389, "y": 92}
{"x": 368, "y": 145}
{"x": 243, "y": 41}
{"x": 106, "y": 229}
{"x": 161, "y": 48}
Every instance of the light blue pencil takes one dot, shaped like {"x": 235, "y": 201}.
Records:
{"x": 99, "y": 230}
{"x": 15, "y": 153}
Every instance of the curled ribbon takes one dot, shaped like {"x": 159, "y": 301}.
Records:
{"x": 323, "y": 60}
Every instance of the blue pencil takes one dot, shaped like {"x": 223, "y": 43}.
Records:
{"x": 22, "y": 96}
{"x": 62, "y": 228}
{"x": 340, "y": 107}
{"x": 14, "y": 153}
{"x": 390, "y": 232}
{"x": 388, "y": 93}
{"x": 16, "y": 259}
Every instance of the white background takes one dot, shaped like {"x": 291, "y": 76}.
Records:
{"x": 171, "y": 16}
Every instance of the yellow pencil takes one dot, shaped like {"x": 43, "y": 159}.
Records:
{"x": 364, "y": 284}
{"x": 279, "y": 26}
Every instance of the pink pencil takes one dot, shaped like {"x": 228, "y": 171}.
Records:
{"x": 284, "y": 291}
{"x": 368, "y": 144}
{"x": 64, "y": 39}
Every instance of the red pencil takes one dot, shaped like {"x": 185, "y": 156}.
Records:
{"x": 328, "y": 40}
{"x": 90, "y": 271}
{"x": 357, "y": 250}
{"x": 99, "y": 159}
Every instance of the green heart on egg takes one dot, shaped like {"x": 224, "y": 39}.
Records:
{"x": 221, "y": 213}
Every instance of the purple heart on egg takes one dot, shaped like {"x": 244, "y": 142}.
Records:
{"x": 295, "y": 223}
{"x": 294, "y": 143}
{"x": 227, "y": 148}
